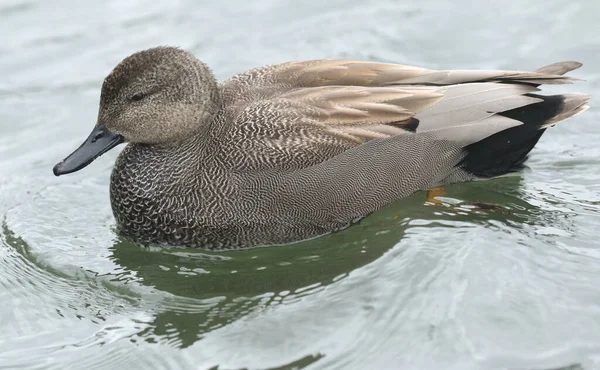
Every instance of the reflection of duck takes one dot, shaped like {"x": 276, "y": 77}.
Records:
{"x": 295, "y": 150}
{"x": 210, "y": 291}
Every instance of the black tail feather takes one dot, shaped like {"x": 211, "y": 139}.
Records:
{"x": 506, "y": 151}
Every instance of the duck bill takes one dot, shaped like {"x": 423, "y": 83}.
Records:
{"x": 100, "y": 141}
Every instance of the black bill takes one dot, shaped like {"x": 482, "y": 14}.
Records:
{"x": 100, "y": 141}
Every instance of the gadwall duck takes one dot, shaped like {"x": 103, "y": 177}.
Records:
{"x": 296, "y": 150}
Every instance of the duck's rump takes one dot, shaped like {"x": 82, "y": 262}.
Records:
{"x": 497, "y": 124}
{"x": 507, "y": 150}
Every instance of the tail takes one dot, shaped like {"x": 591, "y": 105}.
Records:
{"x": 507, "y": 150}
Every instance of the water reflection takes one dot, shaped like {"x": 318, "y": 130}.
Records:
{"x": 211, "y": 290}
{"x": 216, "y": 289}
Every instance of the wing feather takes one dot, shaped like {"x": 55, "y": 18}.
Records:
{"x": 347, "y": 103}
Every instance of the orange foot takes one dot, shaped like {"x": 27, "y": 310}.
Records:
{"x": 432, "y": 194}
{"x": 432, "y": 200}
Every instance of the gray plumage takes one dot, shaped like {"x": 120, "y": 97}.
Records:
{"x": 295, "y": 150}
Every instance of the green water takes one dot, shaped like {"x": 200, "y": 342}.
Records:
{"x": 410, "y": 287}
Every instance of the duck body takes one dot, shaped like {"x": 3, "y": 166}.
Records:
{"x": 220, "y": 207}
{"x": 292, "y": 151}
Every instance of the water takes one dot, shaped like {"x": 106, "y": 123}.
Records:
{"x": 412, "y": 287}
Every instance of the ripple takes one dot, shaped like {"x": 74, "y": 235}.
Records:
{"x": 19, "y": 7}
{"x": 81, "y": 293}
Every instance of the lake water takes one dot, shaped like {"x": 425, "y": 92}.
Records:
{"x": 411, "y": 287}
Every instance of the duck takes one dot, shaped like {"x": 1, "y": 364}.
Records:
{"x": 292, "y": 151}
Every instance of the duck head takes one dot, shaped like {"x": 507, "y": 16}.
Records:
{"x": 158, "y": 96}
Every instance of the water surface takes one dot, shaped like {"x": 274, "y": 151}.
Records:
{"x": 411, "y": 287}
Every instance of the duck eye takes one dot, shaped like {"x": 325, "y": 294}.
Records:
{"x": 137, "y": 97}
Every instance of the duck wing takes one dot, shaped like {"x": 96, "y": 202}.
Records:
{"x": 298, "y": 114}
